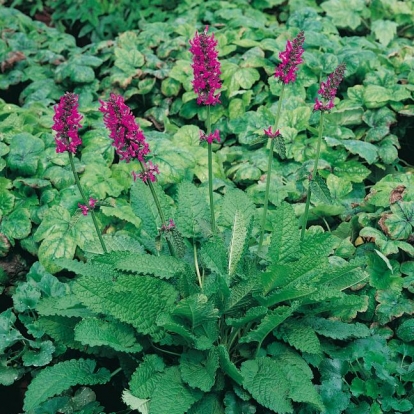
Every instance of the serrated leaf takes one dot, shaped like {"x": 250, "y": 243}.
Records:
{"x": 17, "y": 225}
{"x": 197, "y": 309}
{"x": 284, "y": 245}
{"x": 268, "y": 323}
{"x": 228, "y": 366}
{"x": 262, "y": 377}
{"x": 320, "y": 190}
{"x": 237, "y": 242}
{"x": 214, "y": 255}
{"x": 163, "y": 267}
{"x": 236, "y": 200}
{"x": 301, "y": 336}
{"x": 116, "y": 335}
{"x": 209, "y": 404}
{"x": 60, "y": 377}
{"x": 136, "y": 300}
{"x": 337, "y": 329}
{"x": 192, "y": 211}
{"x": 198, "y": 369}
{"x": 252, "y": 314}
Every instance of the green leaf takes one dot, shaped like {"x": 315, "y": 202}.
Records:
{"x": 376, "y": 96}
{"x": 209, "y": 404}
{"x": 214, "y": 255}
{"x": 237, "y": 242}
{"x": 364, "y": 149}
{"x": 8, "y": 334}
{"x": 17, "y": 225}
{"x": 136, "y": 300}
{"x": 134, "y": 403}
{"x": 320, "y": 190}
{"x": 300, "y": 335}
{"x": 269, "y": 322}
{"x": 262, "y": 377}
{"x": 197, "y": 309}
{"x": 399, "y": 225}
{"x": 198, "y": 369}
{"x": 285, "y": 244}
{"x": 25, "y": 152}
{"x": 344, "y": 13}
{"x": 193, "y": 211}
{"x": 163, "y": 267}
{"x": 39, "y": 355}
{"x": 228, "y": 366}
{"x": 60, "y": 377}
{"x": 116, "y": 335}
{"x": 170, "y": 87}
{"x": 406, "y": 330}
{"x": 384, "y": 30}
{"x": 337, "y": 329}
{"x": 236, "y": 200}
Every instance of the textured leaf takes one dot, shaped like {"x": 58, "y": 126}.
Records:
{"x": 337, "y": 329}
{"x": 320, "y": 190}
{"x": 60, "y": 329}
{"x": 406, "y": 330}
{"x": 238, "y": 240}
{"x": 240, "y": 295}
{"x": 228, "y": 366}
{"x": 269, "y": 322}
{"x": 116, "y": 335}
{"x": 285, "y": 237}
{"x": 209, "y": 404}
{"x": 136, "y": 300}
{"x": 17, "y": 225}
{"x": 214, "y": 255}
{"x": 8, "y": 334}
{"x": 236, "y": 201}
{"x": 39, "y": 355}
{"x": 262, "y": 377}
{"x": 164, "y": 267}
{"x": 198, "y": 369}
{"x": 252, "y": 314}
{"x": 139, "y": 404}
{"x": 197, "y": 309}
{"x": 384, "y": 30}
{"x": 60, "y": 377}
{"x": 300, "y": 335}
{"x": 193, "y": 210}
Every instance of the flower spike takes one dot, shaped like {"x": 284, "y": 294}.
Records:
{"x": 291, "y": 59}
{"x": 328, "y": 89}
{"x": 66, "y": 123}
{"x": 128, "y": 138}
{"x": 206, "y": 68}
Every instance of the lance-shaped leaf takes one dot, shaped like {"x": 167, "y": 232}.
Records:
{"x": 214, "y": 255}
{"x": 235, "y": 200}
{"x": 114, "y": 334}
{"x": 320, "y": 190}
{"x": 60, "y": 377}
{"x": 228, "y": 366}
{"x": 237, "y": 242}
{"x": 269, "y": 322}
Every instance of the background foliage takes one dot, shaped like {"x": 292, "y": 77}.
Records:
{"x": 95, "y": 47}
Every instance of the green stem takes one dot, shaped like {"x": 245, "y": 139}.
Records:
{"x": 86, "y": 202}
{"x": 116, "y": 372}
{"x": 269, "y": 170}
{"x": 314, "y": 171}
{"x": 159, "y": 209}
{"x": 210, "y": 173}
{"x": 200, "y": 282}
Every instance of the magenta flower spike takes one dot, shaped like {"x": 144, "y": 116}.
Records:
{"x": 128, "y": 138}
{"x": 206, "y": 68}
{"x": 148, "y": 174}
{"x": 67, "y": 123}
{"x": 270, "y": 133}
{"x": 329, "y": 88}
{"x": 291, "y": 59}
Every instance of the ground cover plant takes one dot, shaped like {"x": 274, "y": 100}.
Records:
{"x": 207, "y": 209}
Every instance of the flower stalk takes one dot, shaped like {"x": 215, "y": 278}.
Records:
{"x": 327, "y": 93}
{"x": 66, "y": 124}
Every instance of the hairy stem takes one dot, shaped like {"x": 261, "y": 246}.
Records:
{"x": 271, "y": 143}
{"x": 314, "y": 171}
{"x": 200, "y": 282}
{"x": 159, "y": 209}
{"x": 86, "y": 202}
{"x": 210, "y": 172}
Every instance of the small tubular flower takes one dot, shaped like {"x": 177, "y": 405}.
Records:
{"x": 148, "y": 174}
{"x": 328, "y": 89}
{"x": 206, "y": 68}
{"x": 67, "y": 123}
{"x": 85, "y": 209}
{"x": 291, "y": 59}
{"x": 168, "y": 227}
{"x": 128, "y": 138}
{"x": 214, "y": 136}
{"x": 270, "y": 133}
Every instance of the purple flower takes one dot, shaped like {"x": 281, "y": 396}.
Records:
{"x": 270, "y": 133}
{"x": 168, "y": 227}
{"x": 206, "y": 68}
{"x": 214, "y": 136}
{"x": 128, "y": 138}
{"x": 84, "y": 209}
{"x": 291, "y": 58}
{"x": 328, "y": 89}
{"x": 92, "y": 202}
{"x": 66, "y": 123}
{"x": 148, "y": 173}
